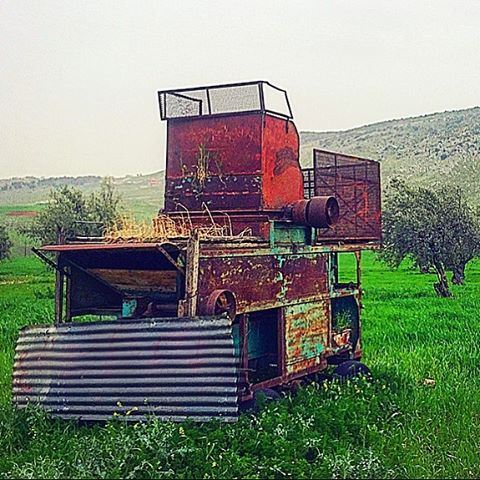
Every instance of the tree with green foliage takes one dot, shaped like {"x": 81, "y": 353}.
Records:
{"x": 105, "y": 205}
{"x": 436, "y": 228}
{"x": 5, "y": 243}
{"x": 68, "y": 207}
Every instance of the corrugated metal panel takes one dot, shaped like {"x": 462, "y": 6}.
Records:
{"x": 171, "y": 367}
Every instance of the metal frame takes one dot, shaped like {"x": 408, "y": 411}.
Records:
{"x": 361, "y": 171}
{"x": 308, "y": 182}
{"x": 198, "y": 267}
{"x": 283, "y": 377}
{"x": 207, "y": 88}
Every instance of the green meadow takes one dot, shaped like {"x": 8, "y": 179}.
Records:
{"x": 419, "y": 418}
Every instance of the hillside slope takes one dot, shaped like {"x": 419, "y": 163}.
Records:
{"x": 142, "y": 193}
{"x": 438, "y": 148}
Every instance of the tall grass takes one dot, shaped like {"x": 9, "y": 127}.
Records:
{"x": 419, "y": 418}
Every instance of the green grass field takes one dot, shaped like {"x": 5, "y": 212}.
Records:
{"x": 419, "y": 418}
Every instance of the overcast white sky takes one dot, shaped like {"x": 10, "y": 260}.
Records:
{"x": 78, "y": 79}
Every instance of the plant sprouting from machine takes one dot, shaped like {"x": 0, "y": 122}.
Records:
{"x": 342, "y": 320}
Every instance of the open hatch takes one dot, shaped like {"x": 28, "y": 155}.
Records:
{"x": 121, "y": 280}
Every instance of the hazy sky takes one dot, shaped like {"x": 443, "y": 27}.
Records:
{"x": 79, "y": 78}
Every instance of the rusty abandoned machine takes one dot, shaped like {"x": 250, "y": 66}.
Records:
{"x": 238, "y": 288}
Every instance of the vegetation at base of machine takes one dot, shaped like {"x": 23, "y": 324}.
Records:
{"x": 416, "y": 420}
{"x": 436, "y": 228}
{"x": 67, "y": 209}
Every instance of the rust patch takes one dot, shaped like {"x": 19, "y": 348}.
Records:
{"x": 284, "y": 159}
{"x": 261, "y": 282}
{"x": 306, "y": 335}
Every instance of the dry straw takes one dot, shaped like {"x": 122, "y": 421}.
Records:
{"x": 163, "y": 228}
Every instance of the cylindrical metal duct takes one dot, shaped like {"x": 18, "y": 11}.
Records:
{"x": 317, "y": 212}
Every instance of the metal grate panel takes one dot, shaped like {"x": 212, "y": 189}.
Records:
{"x": 308, "y": 182}
{"x": 355, "y": 183}
{"x": 234, "y": 98}
{"x": 172, "y": 368}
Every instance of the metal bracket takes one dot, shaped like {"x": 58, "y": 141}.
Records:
{"x": 191, "y": 281}
{"x": 49, "y": 262}
{"x": 170, "y": 258}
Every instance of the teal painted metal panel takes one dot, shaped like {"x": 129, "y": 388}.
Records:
{"x": 306, "y": 334}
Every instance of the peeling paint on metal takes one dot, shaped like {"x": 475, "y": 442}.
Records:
{"x": 306, "y": 334}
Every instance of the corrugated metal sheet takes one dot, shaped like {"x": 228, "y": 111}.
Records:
{"x": 172, "y": 368}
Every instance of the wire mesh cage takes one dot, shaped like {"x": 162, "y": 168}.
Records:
{"x": 355, "y": 183}
{"x": 224, "y": 99}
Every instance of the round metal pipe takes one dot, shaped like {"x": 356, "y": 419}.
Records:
{"x": 317, "y": 212}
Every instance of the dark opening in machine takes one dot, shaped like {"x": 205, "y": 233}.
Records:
{"x": 262, "y": 331}
{"x": 344, "y": 270}
{"x": 345, "y": 322}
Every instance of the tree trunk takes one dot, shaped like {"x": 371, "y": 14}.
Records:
{"x": 458, "y": 277}
{"x": 441, "y": 287}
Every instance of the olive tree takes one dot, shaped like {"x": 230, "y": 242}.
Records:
{"x": 436, "y": 228}
{"x": 5, "y": 243}
{"x": 68, "y": 206}
{"x": 106, "y": 205}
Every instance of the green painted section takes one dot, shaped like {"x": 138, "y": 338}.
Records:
{"x": 306, "y": 330}
{"x": 236, "y": 338}
{"x": 286, "y": 233}
{"x": 311, "y": 347}
{"x": 293, "y": 234}
{"x": 258, "y": 344}
{"x": 128, "y": 307}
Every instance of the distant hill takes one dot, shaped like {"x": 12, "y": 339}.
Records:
{"x": 432, "y": 149}
{"x": 142, "y": 193}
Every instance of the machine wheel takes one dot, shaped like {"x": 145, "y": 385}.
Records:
{"x": 220, "y": 302}
{"x": 351, "y": 369}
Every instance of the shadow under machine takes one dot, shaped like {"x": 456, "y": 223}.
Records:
{"x": 249, "y": 277}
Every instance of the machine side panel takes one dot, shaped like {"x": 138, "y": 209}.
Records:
{"x": 355, "y": 183}
{"x": 306, "y": 334}
{"x": 216, "y": 161}
{"x": 261, "y": 282}
{"x": 229, "y": 192}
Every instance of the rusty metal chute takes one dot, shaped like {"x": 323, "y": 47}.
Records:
{"x": 173, "y": 368}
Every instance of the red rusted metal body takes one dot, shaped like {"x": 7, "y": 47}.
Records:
{"x": 275, "y": 278}
{"x": 234, "y": 163}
